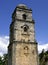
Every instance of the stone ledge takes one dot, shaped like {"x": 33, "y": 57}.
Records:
{"x": 24, "y": 42}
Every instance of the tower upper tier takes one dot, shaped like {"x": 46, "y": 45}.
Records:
{"x": 21, "y": 11}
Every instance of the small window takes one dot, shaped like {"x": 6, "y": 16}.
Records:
{"x": 26, "y": 48}
{"x": 25, "y": 29}
{"x": 24, "y": 16}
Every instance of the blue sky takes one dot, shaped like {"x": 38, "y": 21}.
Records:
{"x": 40, "y": 15}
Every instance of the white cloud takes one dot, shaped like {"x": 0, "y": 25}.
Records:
{"x": 42, "y": 46}
{"x": 4, "y": 41}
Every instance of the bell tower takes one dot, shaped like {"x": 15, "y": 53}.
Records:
{"x": 22, "y": 49}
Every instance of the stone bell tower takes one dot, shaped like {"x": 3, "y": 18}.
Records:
{"x": 22, "y": 49}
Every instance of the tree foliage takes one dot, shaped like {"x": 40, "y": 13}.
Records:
{"x": 4, "y": 59}
{"x": 43, "y": 57}
{"x": 1, "y": 63}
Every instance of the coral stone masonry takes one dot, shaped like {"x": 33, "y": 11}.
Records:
{"x": 22, "y": 49}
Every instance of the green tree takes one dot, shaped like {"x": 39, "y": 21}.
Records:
{"x": 43, "y": 57}
{"x": 5, "y": 59}
{"x": 1, "y": 60}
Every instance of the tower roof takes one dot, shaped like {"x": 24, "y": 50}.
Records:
{"x": 22, "y": 6}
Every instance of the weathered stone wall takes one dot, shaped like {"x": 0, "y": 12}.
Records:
{"x": 18, "y": 31}
{"x": 24, "y": 54}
